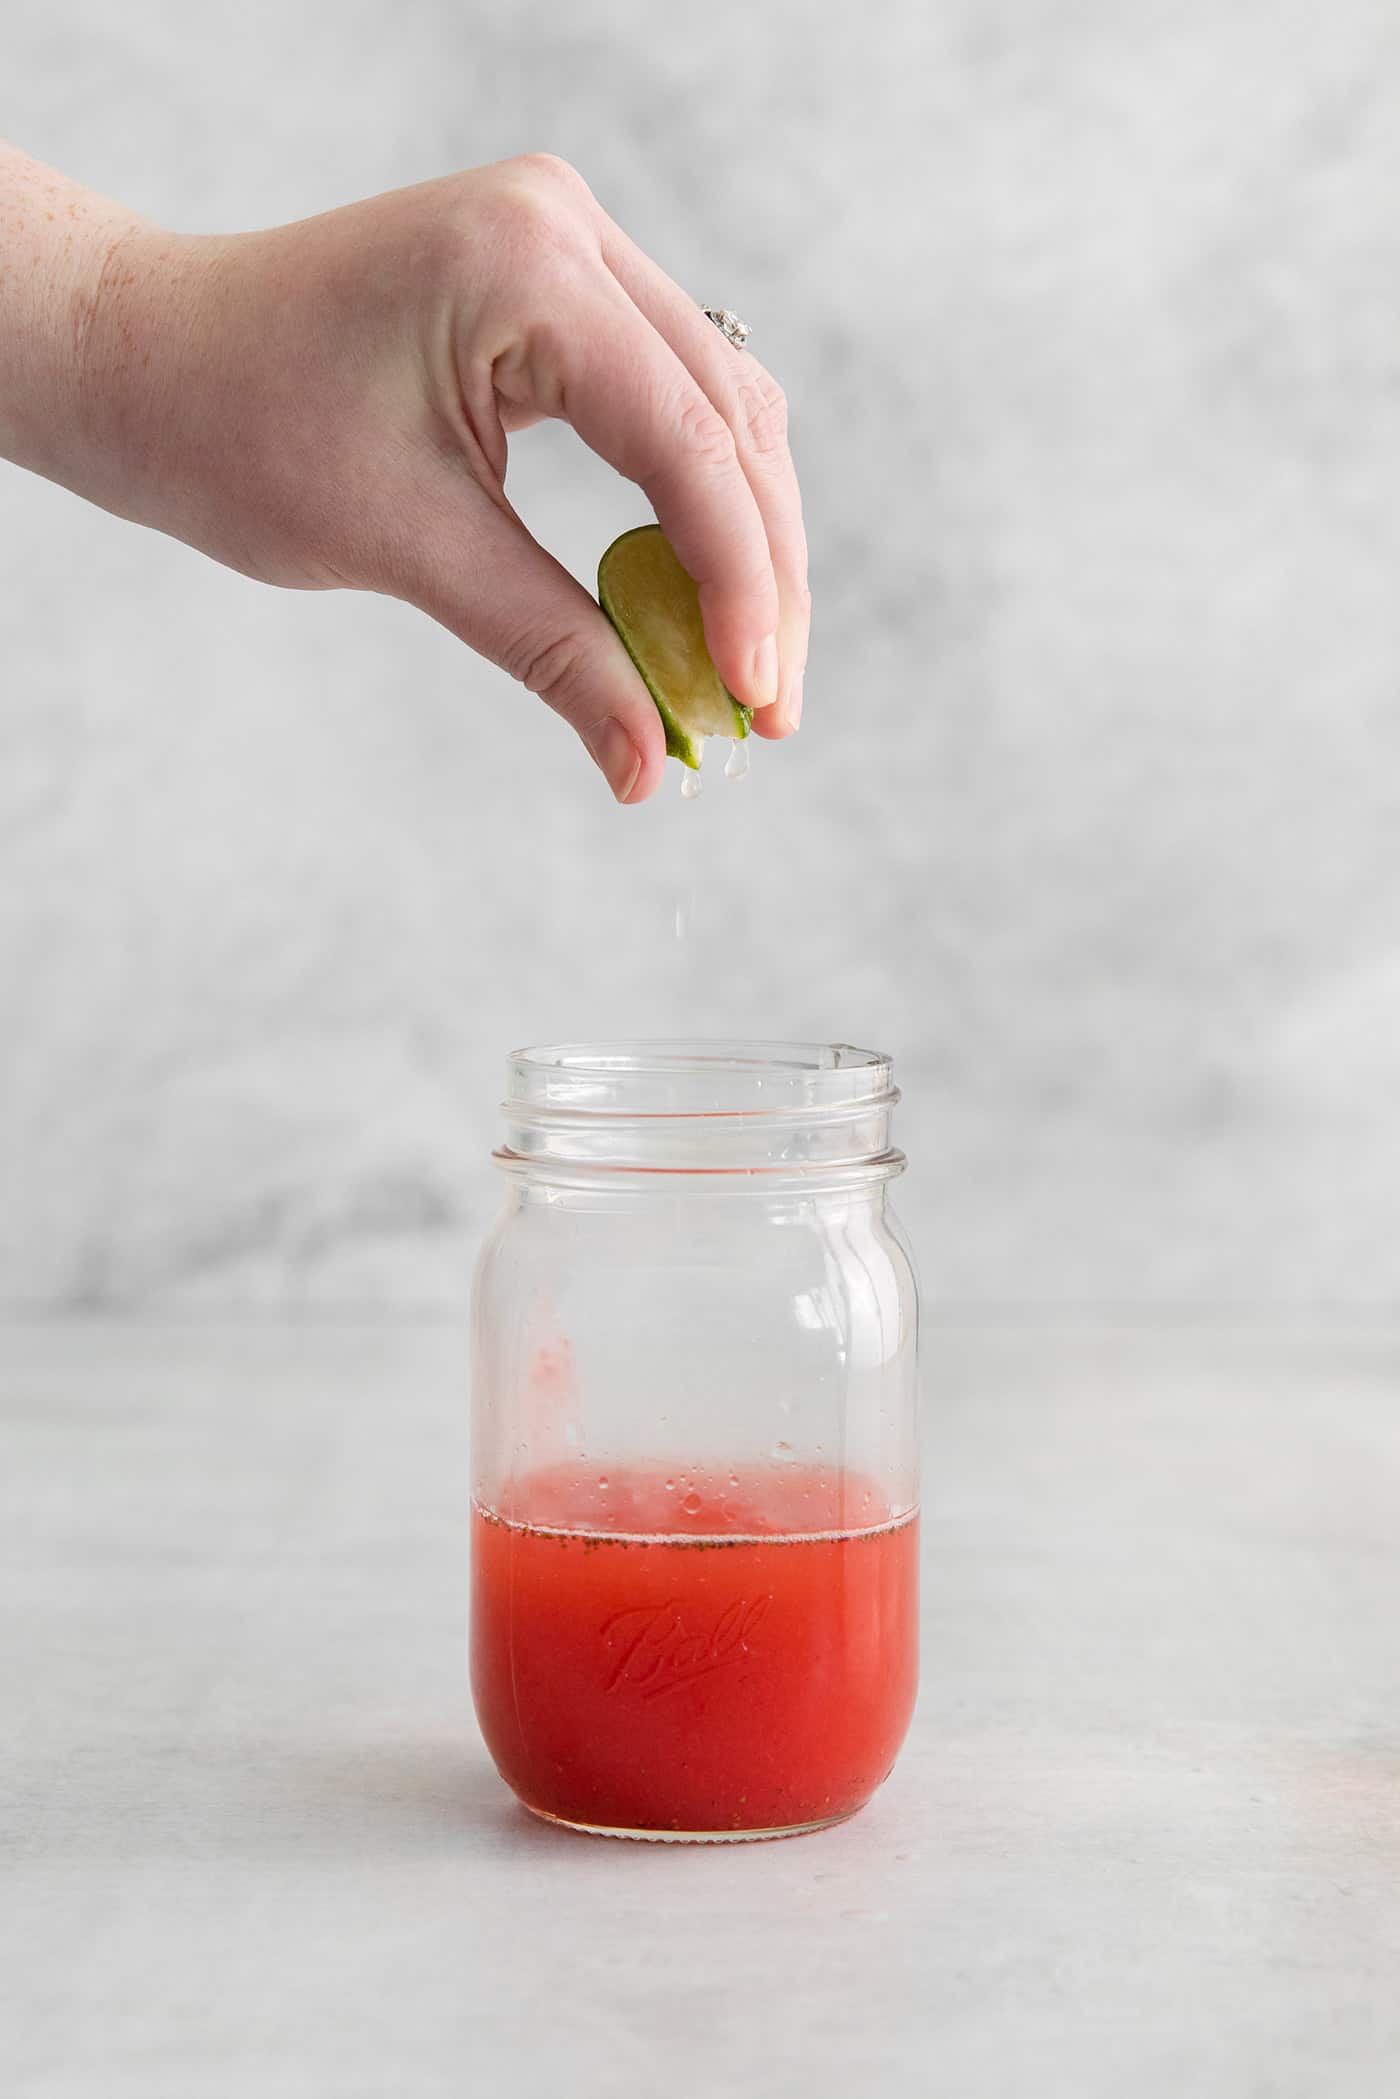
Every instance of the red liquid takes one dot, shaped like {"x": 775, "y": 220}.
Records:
{"x": 681, "y": 1659}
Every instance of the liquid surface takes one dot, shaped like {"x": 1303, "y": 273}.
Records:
{"x": 661, "y": 1651}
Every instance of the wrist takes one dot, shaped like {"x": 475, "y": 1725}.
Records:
{"x": 93, "y": 301}
{"x": 138, "y": 318}
{"x": 55, "y": 239}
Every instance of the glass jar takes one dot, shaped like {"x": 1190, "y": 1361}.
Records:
{"x": 695, "y": 1440}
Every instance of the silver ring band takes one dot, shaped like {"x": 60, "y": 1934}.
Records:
{"x": 729, "y": 325}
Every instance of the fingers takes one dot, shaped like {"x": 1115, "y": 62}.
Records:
{"x": 596, "y": 334}
{"x": 754, "y": 410}
{"x": 632, "y": 400}
{"x": 474, "y": 567}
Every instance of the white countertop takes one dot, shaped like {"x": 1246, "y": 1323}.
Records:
{"x": 1144, "y": 1838}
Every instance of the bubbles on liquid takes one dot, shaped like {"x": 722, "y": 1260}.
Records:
{"x": 691, "y": 784}
{"x": 781, "y": 1449}
{"x": 670, "y": 1486}
{"x": 692, "y": 1505}
{"x": 602, "y": 1479}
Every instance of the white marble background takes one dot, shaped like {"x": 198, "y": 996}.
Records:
{"x": 1090, "y": 318}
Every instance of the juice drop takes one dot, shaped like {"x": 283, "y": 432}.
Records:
{"x": 736, "y": 765}
{"x": 690, "y": 784}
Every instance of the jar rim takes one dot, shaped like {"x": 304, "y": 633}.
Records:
{"x": 702, "y": 1109}
{"x": 689, "y": 1076}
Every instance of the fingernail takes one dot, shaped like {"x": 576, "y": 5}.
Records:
{"x": 615, "y": 755}
{"x": 792, "y": 705}
{"x": 765, "y": 671}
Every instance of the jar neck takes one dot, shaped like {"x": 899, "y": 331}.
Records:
{"x": 801, "y": 1115}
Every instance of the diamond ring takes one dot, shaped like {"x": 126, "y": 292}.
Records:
{"x": 729, "y": 325}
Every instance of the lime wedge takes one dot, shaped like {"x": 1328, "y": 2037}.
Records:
{"x": 655, "y": 607}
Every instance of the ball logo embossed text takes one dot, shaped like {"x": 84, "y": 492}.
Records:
{"x": 655, "y": 1648}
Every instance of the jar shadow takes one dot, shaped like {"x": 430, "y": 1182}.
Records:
{"x": 232, "y": 1799}
{"x": 408, "y": 1794}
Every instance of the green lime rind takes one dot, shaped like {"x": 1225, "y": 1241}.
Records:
{"x": 655, "y": 608}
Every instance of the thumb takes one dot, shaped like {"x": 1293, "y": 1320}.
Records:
{"x": 494, "y": 587}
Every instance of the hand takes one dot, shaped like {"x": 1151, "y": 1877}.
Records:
{"x": 329, "y": 404}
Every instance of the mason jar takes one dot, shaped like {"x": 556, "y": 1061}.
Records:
{"x": 695, "y": 1440}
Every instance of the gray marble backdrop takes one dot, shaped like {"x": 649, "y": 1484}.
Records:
{"x": 1089, "y": 313}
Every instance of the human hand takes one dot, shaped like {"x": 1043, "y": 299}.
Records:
{"x": 329, "y": 403}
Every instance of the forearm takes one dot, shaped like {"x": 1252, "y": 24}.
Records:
{"x": 58, "y": 244}
{"x": 79, "y": 275}
{"x": 131, "y": 374}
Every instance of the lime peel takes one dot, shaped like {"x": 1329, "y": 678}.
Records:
{"x": 655, "y": 608}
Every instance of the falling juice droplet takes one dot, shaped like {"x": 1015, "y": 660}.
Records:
{"x": 691, "y": 784}
{"x": 736, "y": 765}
